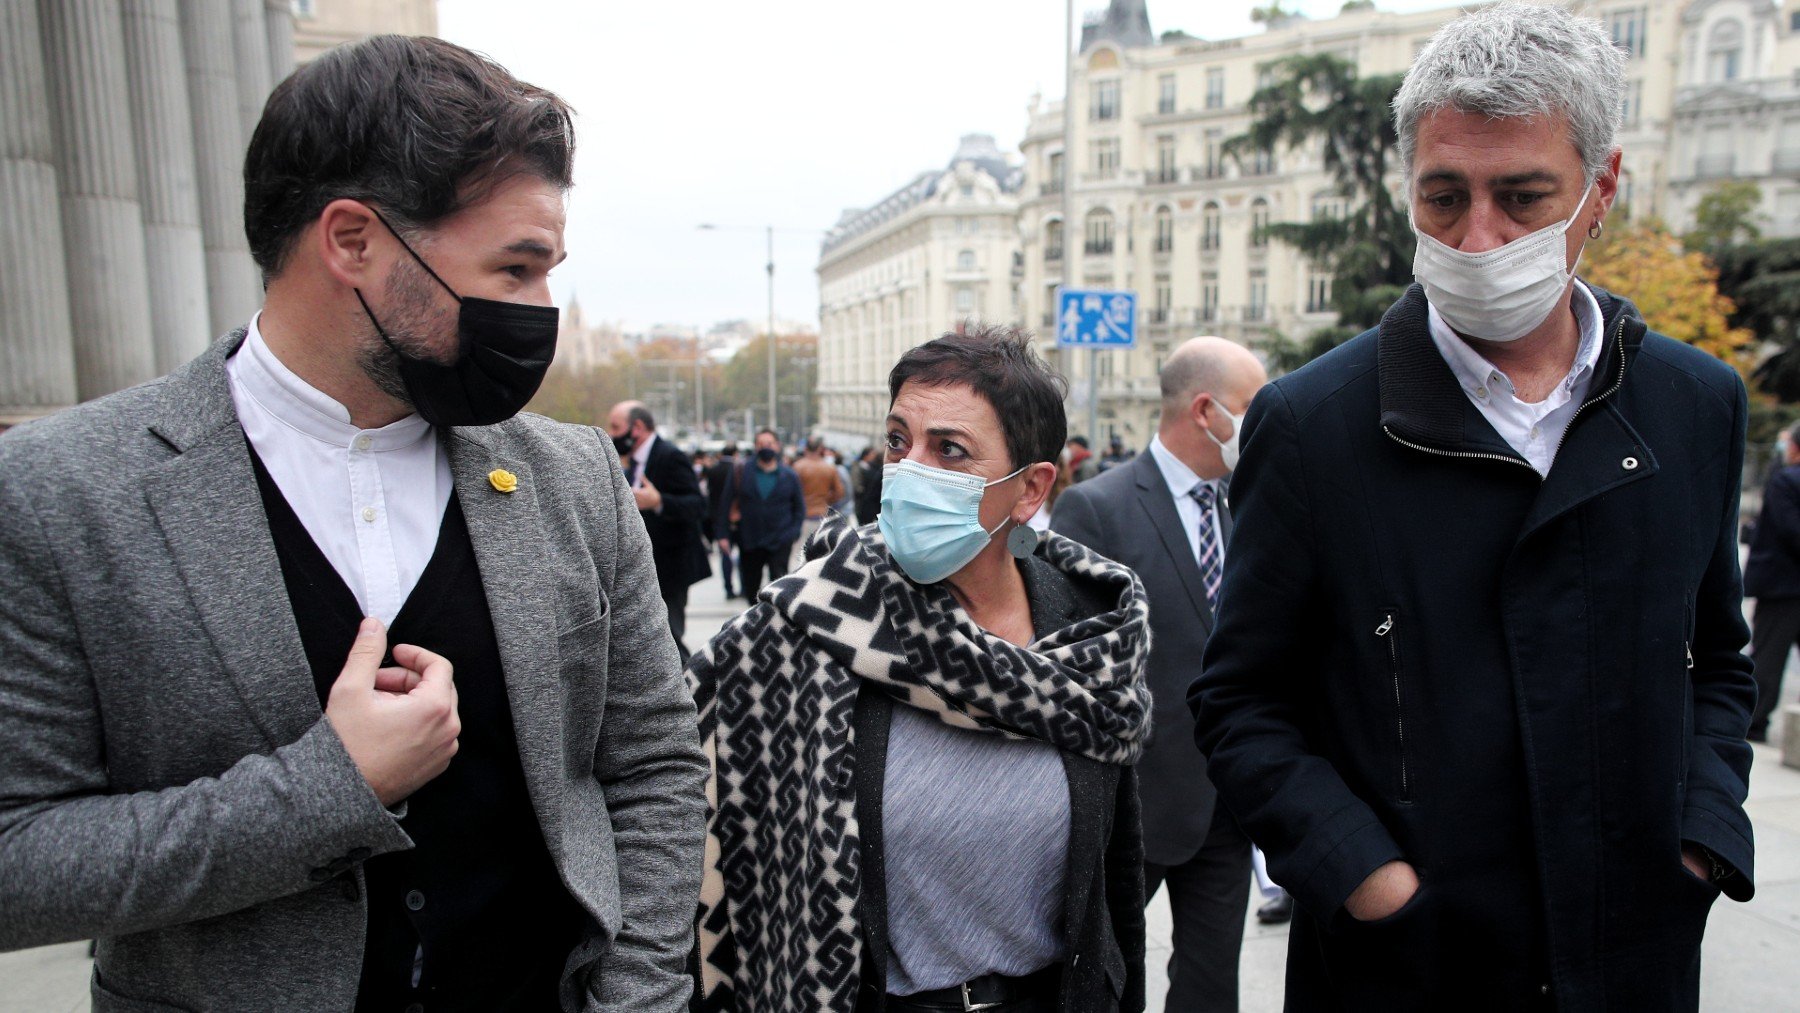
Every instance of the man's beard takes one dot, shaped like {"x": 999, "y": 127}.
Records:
{"x": 408, "y": 313}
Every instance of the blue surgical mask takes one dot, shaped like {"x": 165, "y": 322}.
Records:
{"x": 931, "y": 519}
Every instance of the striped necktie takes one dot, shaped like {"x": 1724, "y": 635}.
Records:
{"x": 1212, "y": 554}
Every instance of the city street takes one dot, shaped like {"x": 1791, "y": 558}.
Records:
{"x": 1749, "y": 962}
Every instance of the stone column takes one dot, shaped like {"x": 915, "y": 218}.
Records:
{"x": 280, "y": 24}
{"x": 103, "y": 233}
{"x": 233, "y": 289}
{"x": 163, "y": 129}
{"x": 250, "y": 33}
{"x": 37, "y": 354}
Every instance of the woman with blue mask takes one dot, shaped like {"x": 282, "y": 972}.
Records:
{"x": 922, "y": 739}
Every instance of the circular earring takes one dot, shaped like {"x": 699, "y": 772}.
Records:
{"x": 1022, "y": 541}
{"x": 1594, "y": 230}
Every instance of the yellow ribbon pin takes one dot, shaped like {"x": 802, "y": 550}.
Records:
{"x": 503, "y": 480}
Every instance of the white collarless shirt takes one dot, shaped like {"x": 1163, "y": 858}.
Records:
{"x": 372, "y": 499}
{"x": 1181, "y": 480}
{"x": 1534, "y": 430}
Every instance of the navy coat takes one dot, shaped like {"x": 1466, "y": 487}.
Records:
{"x": 1773, "y": 569}
{"x": 1532, "y": 689}
{"x": 769, "y": 522}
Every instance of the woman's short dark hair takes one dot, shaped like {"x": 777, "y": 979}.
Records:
{"x": 1000, "y": 364}
{"x": 418, "y": 127}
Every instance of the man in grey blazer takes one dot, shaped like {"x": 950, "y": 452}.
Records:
{"x": 211, "y": 761}
{"x": 1165, "y": 515}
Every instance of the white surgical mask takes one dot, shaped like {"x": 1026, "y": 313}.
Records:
{"x": 1501, "y": 294}
{"x": 1228, "y": 449}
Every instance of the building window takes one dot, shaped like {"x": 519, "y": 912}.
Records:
{"x": 1106, "y": 157}
{"x": 1209, "y": 297}
{"x": 1165, "y": 229}
{"x": 1055, "y": 173}
{"x": 1165, "y": 159}
{"x": 965, "y": 261}
{"x": 1053, "y": 239}
{"x": 1262, "y": 162}
{"x": 1209, "y": 227}
{"x": 1165, "y": 297}
{"x": 1259, "y": 224}
{"x": 1632, "y": 104}
{"x": 1099, "y": 232}
{"x": 1165, "y": 94}
{"x": 1215, "y": 87}
{"x": 1265, "y": 77}
{"x": 1105, "y": 104}
{"x": 305, "y": 9}
{"x": 1318, "y": 293}
{"x": 1259, "y": 296}
{"x": 1627, "y": 28}
{"x": 1724, "y": 51}
{"x": 1327, "y": 205}
{"x": 1215, "y": 154}
{"x": 965, "y": 301}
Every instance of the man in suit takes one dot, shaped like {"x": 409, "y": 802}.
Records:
{"x": 761, "y": 514}
{"x": 211, "y": 760}
{"x": 1164, "y": 514}
{"x": 1772, "y": 577}
{"x": 718, "y": 476}
{"x": 669, "y": 498}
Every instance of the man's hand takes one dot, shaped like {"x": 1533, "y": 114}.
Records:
{"x": 725, "y": 546}
{"x": 1386, "y": 891}
{"x": 1695, "y": 860}
{"x": 398, "y": 724}
{"x": 648, "y": 496}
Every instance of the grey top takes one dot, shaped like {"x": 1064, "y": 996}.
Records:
{"x": 976, "y": 832}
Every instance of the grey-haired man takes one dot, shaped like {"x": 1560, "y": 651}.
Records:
{"x": 1477, "y": 686}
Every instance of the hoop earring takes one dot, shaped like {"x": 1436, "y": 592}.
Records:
{"x": 1594, "y": 230}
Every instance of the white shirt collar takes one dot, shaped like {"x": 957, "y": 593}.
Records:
{"x": 1479, "y": 377}
{"x": 305, "y": 409}
{"x": 1180, "y": 477}
{"x": 641, "y": 452}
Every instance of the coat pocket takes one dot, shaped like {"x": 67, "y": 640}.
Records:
{"x": 1387, "y": 632}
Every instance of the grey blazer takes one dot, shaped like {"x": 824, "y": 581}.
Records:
{"x": 1127, "y": 515}
{"x": 168, "y": 784}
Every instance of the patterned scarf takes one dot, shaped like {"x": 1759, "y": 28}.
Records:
{"x": 776, "y": 690}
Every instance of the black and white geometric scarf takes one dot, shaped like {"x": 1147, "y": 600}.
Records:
{"x": 776, "y": 691}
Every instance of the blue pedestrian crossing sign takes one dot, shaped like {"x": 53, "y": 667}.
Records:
{"x": 1096, "y": 318}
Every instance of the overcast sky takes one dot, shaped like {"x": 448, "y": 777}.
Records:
{"x": 749, "y": 113}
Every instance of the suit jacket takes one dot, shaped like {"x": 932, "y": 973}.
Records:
{"x": 1103, "y": 899}
{"x": 1127, "y": 514}
{"x": 168, "y": 784}
{"x": 675, "y": 540}
{"x": 1773, "y": 569}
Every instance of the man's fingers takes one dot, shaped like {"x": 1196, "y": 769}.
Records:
{"x": 432, "y": 668}
{"x": 396, "y": 680}
{"x": 364, "y": 659}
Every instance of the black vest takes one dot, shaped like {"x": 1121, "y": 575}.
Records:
{"x": 474, "y": 916}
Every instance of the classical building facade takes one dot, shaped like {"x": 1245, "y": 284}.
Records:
{"x": 940, "y": 250}
{"x": 123, "y": 125}
{"x": 322, "y": 24}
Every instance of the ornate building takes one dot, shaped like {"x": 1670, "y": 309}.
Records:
{"x": 939, "y": 250}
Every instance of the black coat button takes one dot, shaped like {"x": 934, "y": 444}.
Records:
{"x": 415, "y": 900}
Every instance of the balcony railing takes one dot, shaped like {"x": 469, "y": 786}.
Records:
{"x": 1165, "y": 175}
{"x": 1159, "y": 315}
{"x": 1163, "y": 246}
{"x": 1202, "y": 173}
{"x": 1787, "y": 160}
{"x": 1053, "y": 252}
{"x": 1715, "y": 166}
{"x": 1050, "y": 189}
{"x": 1098, "y": 248}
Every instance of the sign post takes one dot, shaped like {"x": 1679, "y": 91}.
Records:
{"x": 1095, "y": 319}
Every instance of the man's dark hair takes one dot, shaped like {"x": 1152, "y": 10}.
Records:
{"x": 729, "y": 450}
{"x": 638, "y": 413}
{"x": 771, "y": 432}
{"x": 1079, "y": 441}
{"x": 1000, "y": 364}
{"x": 419, "y": 128}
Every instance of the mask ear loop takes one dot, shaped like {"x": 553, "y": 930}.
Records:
{"x": 415, "y": 254}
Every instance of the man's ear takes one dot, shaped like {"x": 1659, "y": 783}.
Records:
{"x": 1197, "y": 408}
{"x": 345, "y": 236}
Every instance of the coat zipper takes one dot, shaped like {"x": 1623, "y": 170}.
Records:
{"x": 1609, "y": 392}
{"x": 1383, "y": 631}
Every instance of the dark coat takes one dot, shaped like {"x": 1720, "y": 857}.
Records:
{"x": 1103, "y": 903}
{"x": 764, "y": 522}
{"x": 681, "y": 557}
{"x": 718, "y": 478}
{"x": 1531, "y": 689}
{"x": 1773, "y": 569}
{"x": 1127, "y": 515}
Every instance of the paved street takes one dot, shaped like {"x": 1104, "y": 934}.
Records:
{"x": 1751, "y": 962}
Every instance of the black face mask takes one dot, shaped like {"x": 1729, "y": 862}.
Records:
{"x": 765, "y": 455}
{"x": 505, "y": 349}
{"x": 624, "y": 444}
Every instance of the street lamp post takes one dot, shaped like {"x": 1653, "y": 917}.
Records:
{"x": 769, "y": 234}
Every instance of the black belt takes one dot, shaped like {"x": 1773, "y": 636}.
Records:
{"x": 985, "y": 992}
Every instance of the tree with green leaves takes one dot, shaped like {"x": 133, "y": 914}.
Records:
{"x": 1319, "y": 99}
{"x": 1762, "y": 279}
{"x": 1726, "y": 215}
